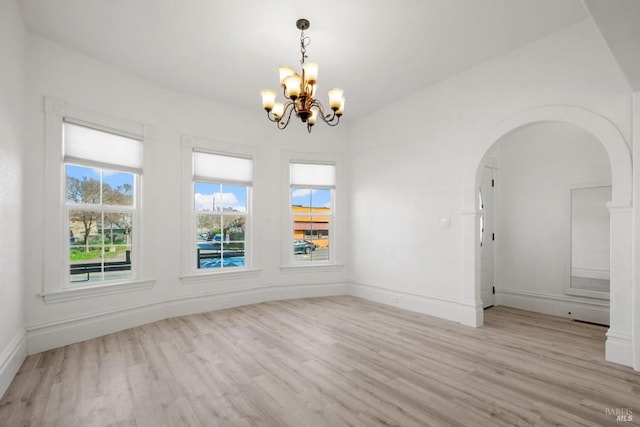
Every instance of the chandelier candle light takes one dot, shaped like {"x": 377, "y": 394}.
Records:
{"x": 300, "y": 92}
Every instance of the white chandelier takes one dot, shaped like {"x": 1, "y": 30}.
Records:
{"x": 300, "y": 93}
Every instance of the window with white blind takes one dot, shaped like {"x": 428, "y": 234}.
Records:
{"x": 312, "y": 187}
{"x": 101, "y": 215}
{"x": 93, "y": 227}
{"x": 221, "y": 191}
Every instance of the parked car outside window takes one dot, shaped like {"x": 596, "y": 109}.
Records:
{"x": 303, "y": 247}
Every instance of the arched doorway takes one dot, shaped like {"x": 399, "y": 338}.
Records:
{"x": 619, "y": 337}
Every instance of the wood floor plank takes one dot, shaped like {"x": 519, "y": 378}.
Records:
{"x": 335, "y": 361}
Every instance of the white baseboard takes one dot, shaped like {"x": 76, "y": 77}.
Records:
{"x": 619, "y": 348}
{"x": 11, "y": 359}
{"x": 585, "y": 309}
{"x": 466, "y": 313}
{"x": 591, "y": 273}
{"x": 46, "y": 336}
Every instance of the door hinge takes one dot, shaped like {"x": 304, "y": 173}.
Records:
{"x": 493, "y": 236}
{"x": 493, "y": 290}
{"x": 493, "y": 183}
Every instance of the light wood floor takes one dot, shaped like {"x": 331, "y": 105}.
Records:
{"x": 328, "y": 362}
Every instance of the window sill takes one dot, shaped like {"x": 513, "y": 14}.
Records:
{"x": 311, "y": 268}
{"x": 188, "y": 279}
{"x": 72, "y": 294}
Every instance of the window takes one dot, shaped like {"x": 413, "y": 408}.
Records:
{"x": 93, "y": 228}
{"x": 101, "y": 171}
{"x": 312, "y": 195}
{"x": 221, "y": 209}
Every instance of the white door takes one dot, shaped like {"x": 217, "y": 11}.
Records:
{"x": 487, "y": 236}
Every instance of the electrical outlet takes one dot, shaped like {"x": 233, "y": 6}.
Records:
{"x": 394, "y": 299}
{"x": 225, "y": 302}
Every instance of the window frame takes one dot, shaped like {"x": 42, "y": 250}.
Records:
{"x": 247, "y": 221}
{"x": 311, "y": 214}
{"x": 102, "y": 208}
{"x": 56, "y": 284}
{"x": 337, "y": 232}
{"x": 190, "y": 272}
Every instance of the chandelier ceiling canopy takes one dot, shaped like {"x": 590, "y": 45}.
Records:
{"x": 300, "y": 90}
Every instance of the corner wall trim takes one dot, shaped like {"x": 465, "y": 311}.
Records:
{"x": 11, "y": 359}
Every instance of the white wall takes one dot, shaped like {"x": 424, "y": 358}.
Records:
{"x": 537, "y": 166}
{"x": 636, "y": 232}
{"x": 12, "y": 52}
{"x": 411, "y": 160}
{"x": 57, "y": 72}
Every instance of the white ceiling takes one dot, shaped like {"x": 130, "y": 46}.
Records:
{"x": 378, "y": 51}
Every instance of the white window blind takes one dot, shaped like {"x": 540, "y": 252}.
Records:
{"x": 83, "y": 144}
{"x": 313, "y": 175}
{"x": 215, "y": 167}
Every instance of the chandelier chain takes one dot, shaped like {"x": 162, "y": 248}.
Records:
{"x": 304, "y": 42}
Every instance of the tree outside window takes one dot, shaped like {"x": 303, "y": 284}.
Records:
{"x": 100, "y": 206}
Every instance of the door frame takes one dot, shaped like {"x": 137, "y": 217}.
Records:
{"x": 619, "y": 345}
{"x": 490, "y": 165}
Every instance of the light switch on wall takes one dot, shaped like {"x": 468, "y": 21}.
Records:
{"x": 445, "y": 223}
